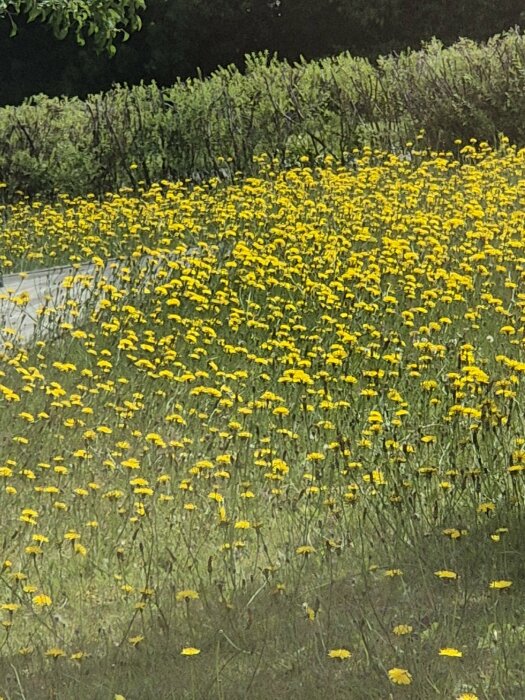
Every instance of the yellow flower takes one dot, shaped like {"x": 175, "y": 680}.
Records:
{"x": 311, "y": 614}
{"x": 400, "y": 676}
{"x": 400, "y": 630}
{"x": 26, "y": 651}
{"x": 80, "y": 549}
{"x": 281, "y": 411}
{"x": 340, "y": 654}
{"x": 500, "y": 584}
{"x": 446, "y": 574}
{"x": 10, "y": 607}
{"x": 242, "y": 525}
{"x": 305, "y": 550}
{"x": 42, "y": 600}
{"x": 190, "y": 651}
{"x": 315, "y": 457}
{"x": 450, "y": 651}
{"x": 34, "y": 550}
{"x": 187, "y": 594}
{"x": 71, "y": 535}
{"x": 428, "y": 439}
{"x": 486, "y": 507}
{"x": 55, "y": 652}
{"x": 131, "y": 463}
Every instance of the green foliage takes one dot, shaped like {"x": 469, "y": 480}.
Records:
{"x": 183, "y": 37}
{"x": 214, "y": 127}
{"x": 285, "y": 421}
{"x": 104, "y": 20}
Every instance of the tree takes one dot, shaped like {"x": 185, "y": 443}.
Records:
{"x": 103, "y": 20}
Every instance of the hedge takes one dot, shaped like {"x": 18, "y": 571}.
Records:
{"x": 215, "y": 126}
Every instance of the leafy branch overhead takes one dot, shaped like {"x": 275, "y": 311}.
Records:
{"x": 103, "y": 20}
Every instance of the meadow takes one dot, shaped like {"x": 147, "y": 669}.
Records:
{"x": 287, "y": 457}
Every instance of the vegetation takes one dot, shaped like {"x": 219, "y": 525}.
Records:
{"x": 214, "y": 127}
{"x": 181, "y": 37}
{"x": 281, "y": 451}
{"x": 103, "y": 20}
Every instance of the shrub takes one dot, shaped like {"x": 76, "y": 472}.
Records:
{"x": 215, "y": 126}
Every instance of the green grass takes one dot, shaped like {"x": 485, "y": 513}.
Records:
{"x": 307, "y": 438}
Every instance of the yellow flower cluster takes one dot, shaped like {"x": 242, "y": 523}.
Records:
{"x": 267, "y": 360}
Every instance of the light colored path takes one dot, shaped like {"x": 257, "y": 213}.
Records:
{"x": 45, "y": 299}
{"x": 41, "y": 298}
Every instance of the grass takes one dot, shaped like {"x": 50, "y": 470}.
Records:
{"x": 291, "y": 464}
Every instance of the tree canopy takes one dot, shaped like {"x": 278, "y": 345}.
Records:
{"x": 185, "y": 38}
{"x": 103, "y": 20}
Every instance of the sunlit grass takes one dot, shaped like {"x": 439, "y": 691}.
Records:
{"x": 285, "y": 459}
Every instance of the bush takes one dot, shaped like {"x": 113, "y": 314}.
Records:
{"x": 215, "y": 126}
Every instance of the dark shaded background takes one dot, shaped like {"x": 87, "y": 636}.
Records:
{"x": 181, "y": 37}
